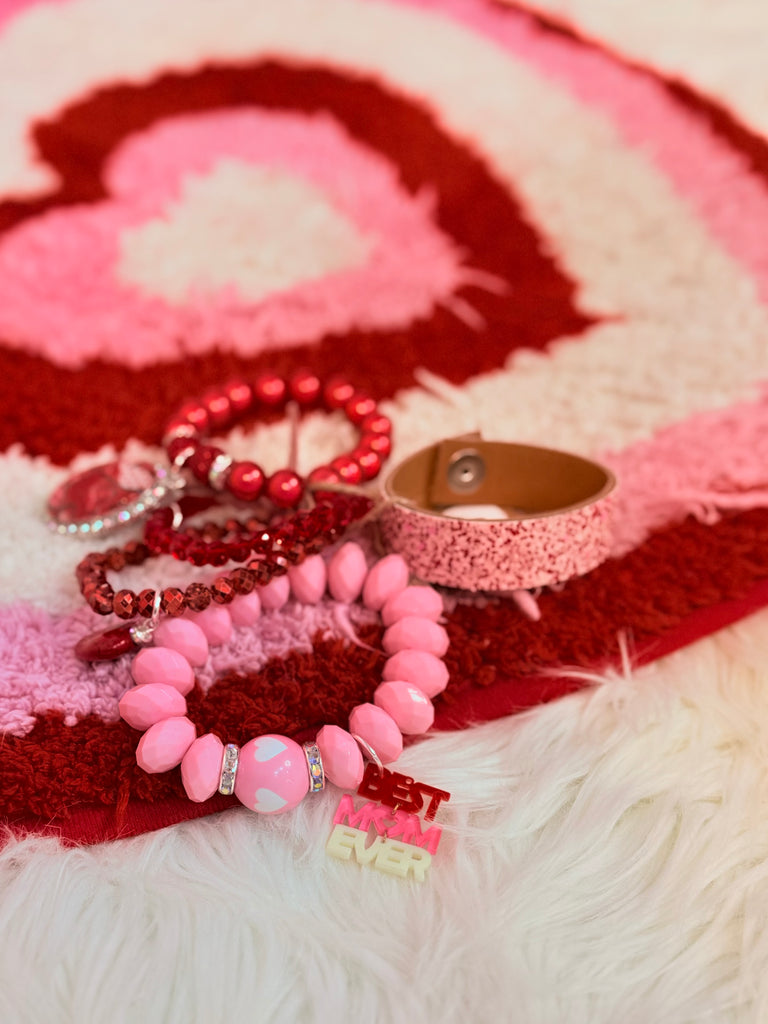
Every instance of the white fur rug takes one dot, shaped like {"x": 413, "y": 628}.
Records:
{"x": 605, "y": 859}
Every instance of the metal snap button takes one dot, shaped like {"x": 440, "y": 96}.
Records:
{"x": 466, "y": 471}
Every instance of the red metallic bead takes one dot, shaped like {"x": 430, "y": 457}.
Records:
{"x": 197, "y": 597}
{"x": 337, "y": 392}
{"x": 135, "y": 552}
{"x": 172, "y": 602}
{"x": 376, "y": 423}
{"x": 369, "y": 462}
{"x": 200, "y": 463}
{"x": 145, "y": 604}
{"x": 101, "y": 598}
{"x": 349, "y": 470}
{"x": 304, "y": 386}
{"x": 196, "y": 414}
{"x": 246, "y": 481}
{"x": 115, "y": 559}
{"x": 262, "y": 571}
{"x": 359, "y": 406}
{"x": 222, "y": 590}
{"x": 218, "y": 554}
{"x": 124, "y": 604}
{"x": 379, "y": 443}
{"x": 269, "y": 389}
{"x": 243, "y": 581}
{"x": 218, "y": 408}
{"x": 179, "y": 427}
{"x": 179, "y": 445}
{"x": 285, "y": 488}
{"x": 240, "y": 396}
{"x": 324, "y": 475}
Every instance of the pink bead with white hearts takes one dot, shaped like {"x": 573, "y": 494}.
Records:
{"x": 272, "y": 773}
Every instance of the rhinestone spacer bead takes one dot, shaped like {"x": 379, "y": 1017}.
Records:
{"x": 217, "y": 474}
{"x": 315, "y": 767}
{"x": 229, "y": 769}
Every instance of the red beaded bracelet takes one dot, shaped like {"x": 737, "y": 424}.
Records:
{"x": 220, "y": 408}
{"x": 275, "y": 549}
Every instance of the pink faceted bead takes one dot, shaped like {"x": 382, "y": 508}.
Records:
{"x": 275, "y": 594}
{"x": 409, "y": 706}
{"x": 163, "y": 665}
{"x": 272, "y": 774}
{"x": 423, "y": 602}
{"x": 164, "y": 744}
{"x": 308, "y": 580}
{"x": 347, "y": 570}
{"x": 388, "y": 577}
{"x": 378, "y": 729}
{"x": 142, "y": 706}
{"x": 428, "y": 672}
{"x": 185, "y": 637}
{"x": 245, "y": 610}
{"x": 415, "y": 634}
{"x": 216, "y": 622}
{"x": 342, "y": 760}
{"x": 201, "y": 767}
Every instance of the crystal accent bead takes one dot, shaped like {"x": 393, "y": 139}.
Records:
{"x": 315, "y": 767}
{"x": 229, "y": 769}
{"x": 217, "y": 474}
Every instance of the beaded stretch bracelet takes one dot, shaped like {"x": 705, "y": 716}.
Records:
{"x": 220, "y": 408}
{"x": 272, "y": 773}
{"x": 275, "y": 548}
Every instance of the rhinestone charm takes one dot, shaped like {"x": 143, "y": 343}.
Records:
{"x": 229, "y": 769}
{"x": 315, "y": 767}
{"x": 107, "y": 497}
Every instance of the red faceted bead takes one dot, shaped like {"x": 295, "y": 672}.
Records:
{"x": 262, "y": 571}
{"x": 218, "y": 554}
{"x": 369, "y": 462}
{"x": 376, "y": 423}
{"x": 324, "y": 475}
{"x": 285, "y": 488}
{"x": 124, "y": 604}
{"x": 136, "y": 552}
{"x": 240, "y": 396}
{"x": 115, "y": 559}
{"x": 222, "y": 590}
{"x": 172, "y": 602}
{"x": 337, "y": 392}
{"x": 305, "y": 387}
{"x": 145, "y": 604}
{"x": 359, "y": 406}
{"x": 379, "y": 443}
{"x": 197, "y": 597}
{"x": 196, "y": 414}
{"x": 105, "y": 646}
{"x": 218, "y": 408}
{"x": 243, "y": 581}
{"x": 269, "y": 389}
{"x": 200, "y": 463}
{"x": 179, "y": 446}
{"x": 246, "y": 481}
{"x": 100, "y": 599}
{"x": 349, "y": 470}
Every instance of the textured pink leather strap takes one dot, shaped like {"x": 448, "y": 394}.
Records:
{"x": 557, "y": 505}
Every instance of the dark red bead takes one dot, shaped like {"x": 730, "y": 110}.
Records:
{"x": 116, "y": 558}
{"x": 239, "y": 551}
{"x": 197, "y": 597}
{"x": 304, "y": 386}
{"x": 359, "y": 406}
{"x": 376, "y": 423}
{"x": 240, "y": 396}
{"x": 124, "y": 604}
{"x": 243, "y": 581}
{"x": 324, "y": 475}
{"x": 196, "y": 414}
{"x": 218, "y": 408}
{"x": 368, "y": 461}
{"x": 136, "y": 552}
{"x": 349, "y": 471}
{"x": 246, "y": 481}
{"x": 285, "y": 488}
{"x": 172, "y": 602}
{"x": 222, "y": 590}
{"x": 145, "y": 604}
{"x": 105, "y": 646}
{"x": 179, "y": 427}
{"x": 218, "y": 554}
{"x": 379, "y": 443}
{"x": 338, "y": 392}
{"x": 197, "y": 553}
{"x": 200, "y": 463}
{"x": 269, "y": 389}
{"x": 179, "y": 446}
{"x": 262, "y": 571}
{"x": 101, "y": 599}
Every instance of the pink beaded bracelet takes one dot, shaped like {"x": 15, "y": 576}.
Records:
{"x": 272, "y": 773}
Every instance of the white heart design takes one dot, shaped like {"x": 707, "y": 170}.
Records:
{"x": 268, "y": 802}
{"x": 268, "y": 747}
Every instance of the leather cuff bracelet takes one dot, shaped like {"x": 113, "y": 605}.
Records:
{"x": 557, "y": 509}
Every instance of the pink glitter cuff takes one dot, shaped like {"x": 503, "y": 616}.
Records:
{"x": 557, "y": 506}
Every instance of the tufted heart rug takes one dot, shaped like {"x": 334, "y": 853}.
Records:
{"x": 540, "y": 221}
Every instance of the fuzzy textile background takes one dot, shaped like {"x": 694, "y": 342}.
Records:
{"x": 544, "y": 222}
